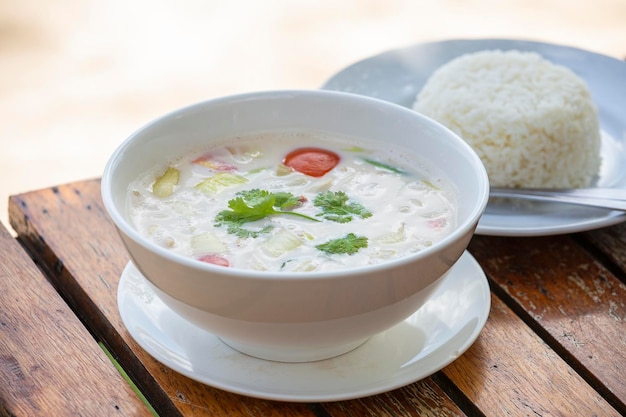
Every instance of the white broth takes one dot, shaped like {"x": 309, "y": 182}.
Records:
{"x": 222, "y": 204}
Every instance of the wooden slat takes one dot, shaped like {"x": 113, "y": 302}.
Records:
{"x": 612, "y": 242}
{"x": 423, "y": 398}
{"x": 573, "y": 298}
{"x": 68, "y": 230}
{"x": 49, "y": 363}
{"x": 511, "y": 372}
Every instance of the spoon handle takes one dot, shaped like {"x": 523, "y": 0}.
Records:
{"x": 609, "y": 198}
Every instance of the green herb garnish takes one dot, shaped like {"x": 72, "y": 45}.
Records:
{"x": 253, "y": 205}
{"x": 337, "y": 208}
{"x": 349, "y": 244}
{"x": 384, "y": 166}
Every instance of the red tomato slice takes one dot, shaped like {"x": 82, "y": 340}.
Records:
{"x": 215, "y": 260}
{"x": 314, "y": 162}
{"x": 210, "y": 162}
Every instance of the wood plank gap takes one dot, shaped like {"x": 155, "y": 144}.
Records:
{"x": 318, "y": 410}
{"x": 456, "y": 395}
{"x": 557, "y": 347}
{"x": 70, "y": 225}
{"x": 600, "y": 256}
{"x": 128, "y": 380}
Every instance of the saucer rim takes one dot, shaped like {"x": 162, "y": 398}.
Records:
{"x": 388, "y": 383}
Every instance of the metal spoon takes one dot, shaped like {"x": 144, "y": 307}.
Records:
{"x": 609, "y": 198}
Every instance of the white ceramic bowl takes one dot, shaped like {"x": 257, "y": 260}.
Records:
{"x": 295, "y": 316}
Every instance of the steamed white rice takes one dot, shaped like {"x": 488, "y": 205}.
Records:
{"x": 532, "y": 123}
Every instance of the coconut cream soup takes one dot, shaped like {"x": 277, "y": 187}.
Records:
{"x": 374, "y": 205}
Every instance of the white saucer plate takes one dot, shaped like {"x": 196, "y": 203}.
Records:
{"x": 434, "y": 336}
{"x": 397, "y": 76}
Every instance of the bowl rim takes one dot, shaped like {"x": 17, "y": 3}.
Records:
{"x": 127, "y": 229}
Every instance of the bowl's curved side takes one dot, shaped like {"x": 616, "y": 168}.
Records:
{"x": 300, "y": 341}
{"x": 175, "y": 134}
{"x": 293, "y": 300}
{"x": 263, "y": 311}
{"x": 291, "y": 320}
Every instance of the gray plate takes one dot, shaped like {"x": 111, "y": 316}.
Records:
{"x": 398, "y": 75}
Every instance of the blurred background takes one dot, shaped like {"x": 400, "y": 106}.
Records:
{"x": 78, "y": 76}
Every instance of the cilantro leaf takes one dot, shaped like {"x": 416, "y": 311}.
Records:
{"x": 253, "y": 205}
{"x": 337, "y": 208}
{"x": 286, "y": 201}
{"x": 234, "y": 220}
{"x": 250, "y": 210}
{"x": 244, "y": 232}
{"x": 349, "y": 244}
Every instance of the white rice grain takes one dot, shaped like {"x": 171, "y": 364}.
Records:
{"x": 532, "y": 123}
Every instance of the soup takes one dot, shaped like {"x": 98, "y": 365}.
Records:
{"x": 293, "y": 201}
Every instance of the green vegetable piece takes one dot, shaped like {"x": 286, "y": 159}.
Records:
{"x": 384, "y": 166}
{"x": 349, "y": 244}
{"x": 280, "y": 243}
{"x": 354, "y": 149}
{"x": 253, "y": 205}
{"x": 207, "y": 242}
{"x": 282, "y": 170}
{"x": 219, "y": 182}
{"x": 336, "y": 207}
{"x": 164, "y": 185}
{"x": 393, "y": 237}
{"x": 430, "y": 184}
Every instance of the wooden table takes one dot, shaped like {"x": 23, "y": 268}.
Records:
{"x": 554, "y": 343}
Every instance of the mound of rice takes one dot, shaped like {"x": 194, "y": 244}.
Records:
{"x": 532, "y": 123}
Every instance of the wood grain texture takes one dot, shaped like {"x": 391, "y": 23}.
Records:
{"x": 508, "y": 371}
{"x": 612, "y": 242}
{"x": 568, "y": 295}
{"x": 49, "y": 363}
{"x": 67, "y": 229}
{"x": 511, "y": 372}
{"x": 423, "y": 398}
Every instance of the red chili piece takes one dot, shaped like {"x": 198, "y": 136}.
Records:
{"x": 208, "y": 161}
{"x": 314, "y": 162}
{"x": 215, "y": 260}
